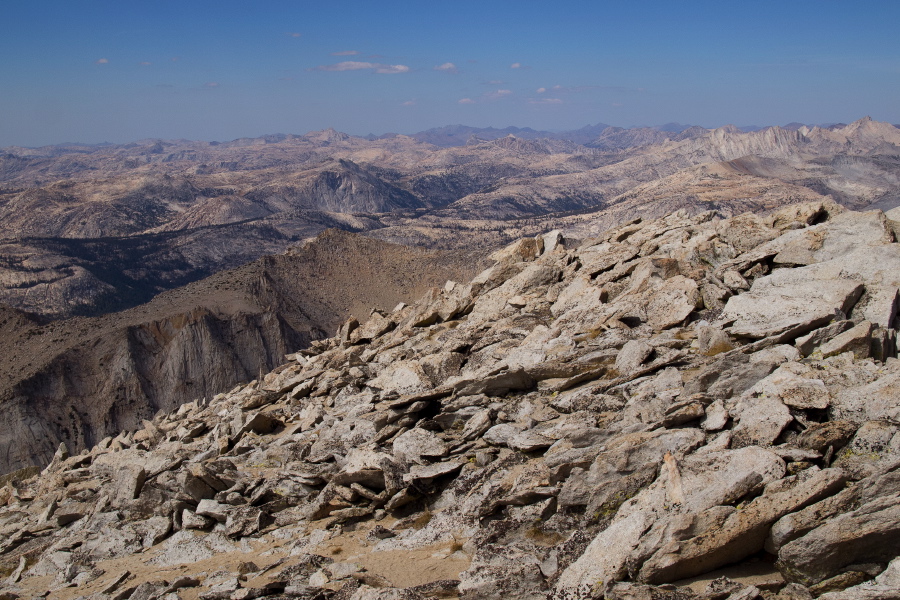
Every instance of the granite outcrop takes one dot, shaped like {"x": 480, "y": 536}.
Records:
{"x": 639, "y": 415}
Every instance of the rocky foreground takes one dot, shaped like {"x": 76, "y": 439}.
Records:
{"x": 622, "y": 417}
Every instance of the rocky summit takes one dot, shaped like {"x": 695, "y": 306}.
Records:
{"x": 684, "y": 408}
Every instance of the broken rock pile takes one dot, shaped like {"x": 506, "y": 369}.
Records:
{"x": 625, "y": 417}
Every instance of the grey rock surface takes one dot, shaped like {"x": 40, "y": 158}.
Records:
{"x": 543, "y": 432}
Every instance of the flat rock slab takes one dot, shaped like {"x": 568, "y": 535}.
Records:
{"x": 791, "y": 309}
{"x": 417, "y": 444}
{"x": 428, "y": 472}
{"x": 869, "y": 534}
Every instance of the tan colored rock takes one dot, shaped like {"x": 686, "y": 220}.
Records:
{"x": 673, "y": 302}
{"x": 793, "y": 383}
{"x": 525, "y": 249}
{"x": 788, "y": 310}
{"x": 743, "y": 532}
{"x": 857, "y": 340}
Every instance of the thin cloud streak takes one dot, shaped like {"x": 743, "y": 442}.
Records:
{"x": 353, "y": 65}
{"x": 498, "y": 94}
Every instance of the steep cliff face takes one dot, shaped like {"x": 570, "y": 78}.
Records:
{"x": 112, "y": 382}
{"x": 80, "y": 380}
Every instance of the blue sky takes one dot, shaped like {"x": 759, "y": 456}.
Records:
{"x": 93, "y": 70}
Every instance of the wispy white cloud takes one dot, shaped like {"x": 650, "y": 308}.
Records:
{"x": 211, "y": 84}
{"x": 353, "y": 65}
{"x": 496, "y": 95}
{"x": 391, "y": 69}
{"x": 545, "y": 101}
{"x": 101, "y": 61}
{"x": 447, "y": 67}
{"x": 579, "y": 89}
{"x": 465, "y": 101}
{"x": 345, "y": 53}
{"x": 409, "y": 103}
{"x": 515, "y": 66}
{"x": 294, "y": 34}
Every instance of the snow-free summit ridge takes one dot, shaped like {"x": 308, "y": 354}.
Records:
{"x": 593, "y": 419}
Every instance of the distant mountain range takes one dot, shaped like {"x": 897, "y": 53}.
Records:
{"x": 172, "y": 236}
{"x": 91, "y": 229}
{"x": 460, "y": 135}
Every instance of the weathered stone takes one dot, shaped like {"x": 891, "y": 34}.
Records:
{"x": 792, "y": 385}
{"x": 402, "y": 377}
{"x": 788, "y": 310}
{"x": 376, "y": 326}
{"x": 683, "y": 412}
{"x": 191, "y": 520}
{"x": 245, "y": 521}
{"x": 418, "y": 444}
{"x": 128, "y": 484}
{"x": 806, "y": 344}
{"x": 716, "y": 417}
{"x": 644, "y": 525}
{"x": 673, "y": 302}
{"x": 875, "y": 401}
{"x": 503, "y": 570}
{"x": 501, "y": 434}
{"x": 879, "y": 305}
{"x": 734, "y": 373}
{"x": 886, "y": 586}
{"x": 627, "y": 590}
{"x": 495, "y": 385}
{"x": 820, "y": 436}
{"x": 743, "y": 532}
{"x": 857, "y": 340}
{"x": 261, "y": 423}
{"x": 870, "y": 533}
{"x": 401, "y": 498}
{"x": 433, "y": 471}
{"x": 632, "y": 354}
{"x": 477, "y": 424}
{"x": 221, "y": 591}
{"x": 524, "y": 249}
{"x": 759, "y": 420}
{"x": 713, "y": 340}
{"x": 836, "y": 238}
{"x": 873, "y": 444}
{"x": 213, "y": 510}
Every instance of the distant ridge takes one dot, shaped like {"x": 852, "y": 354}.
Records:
{"x": 458, "y": 135}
